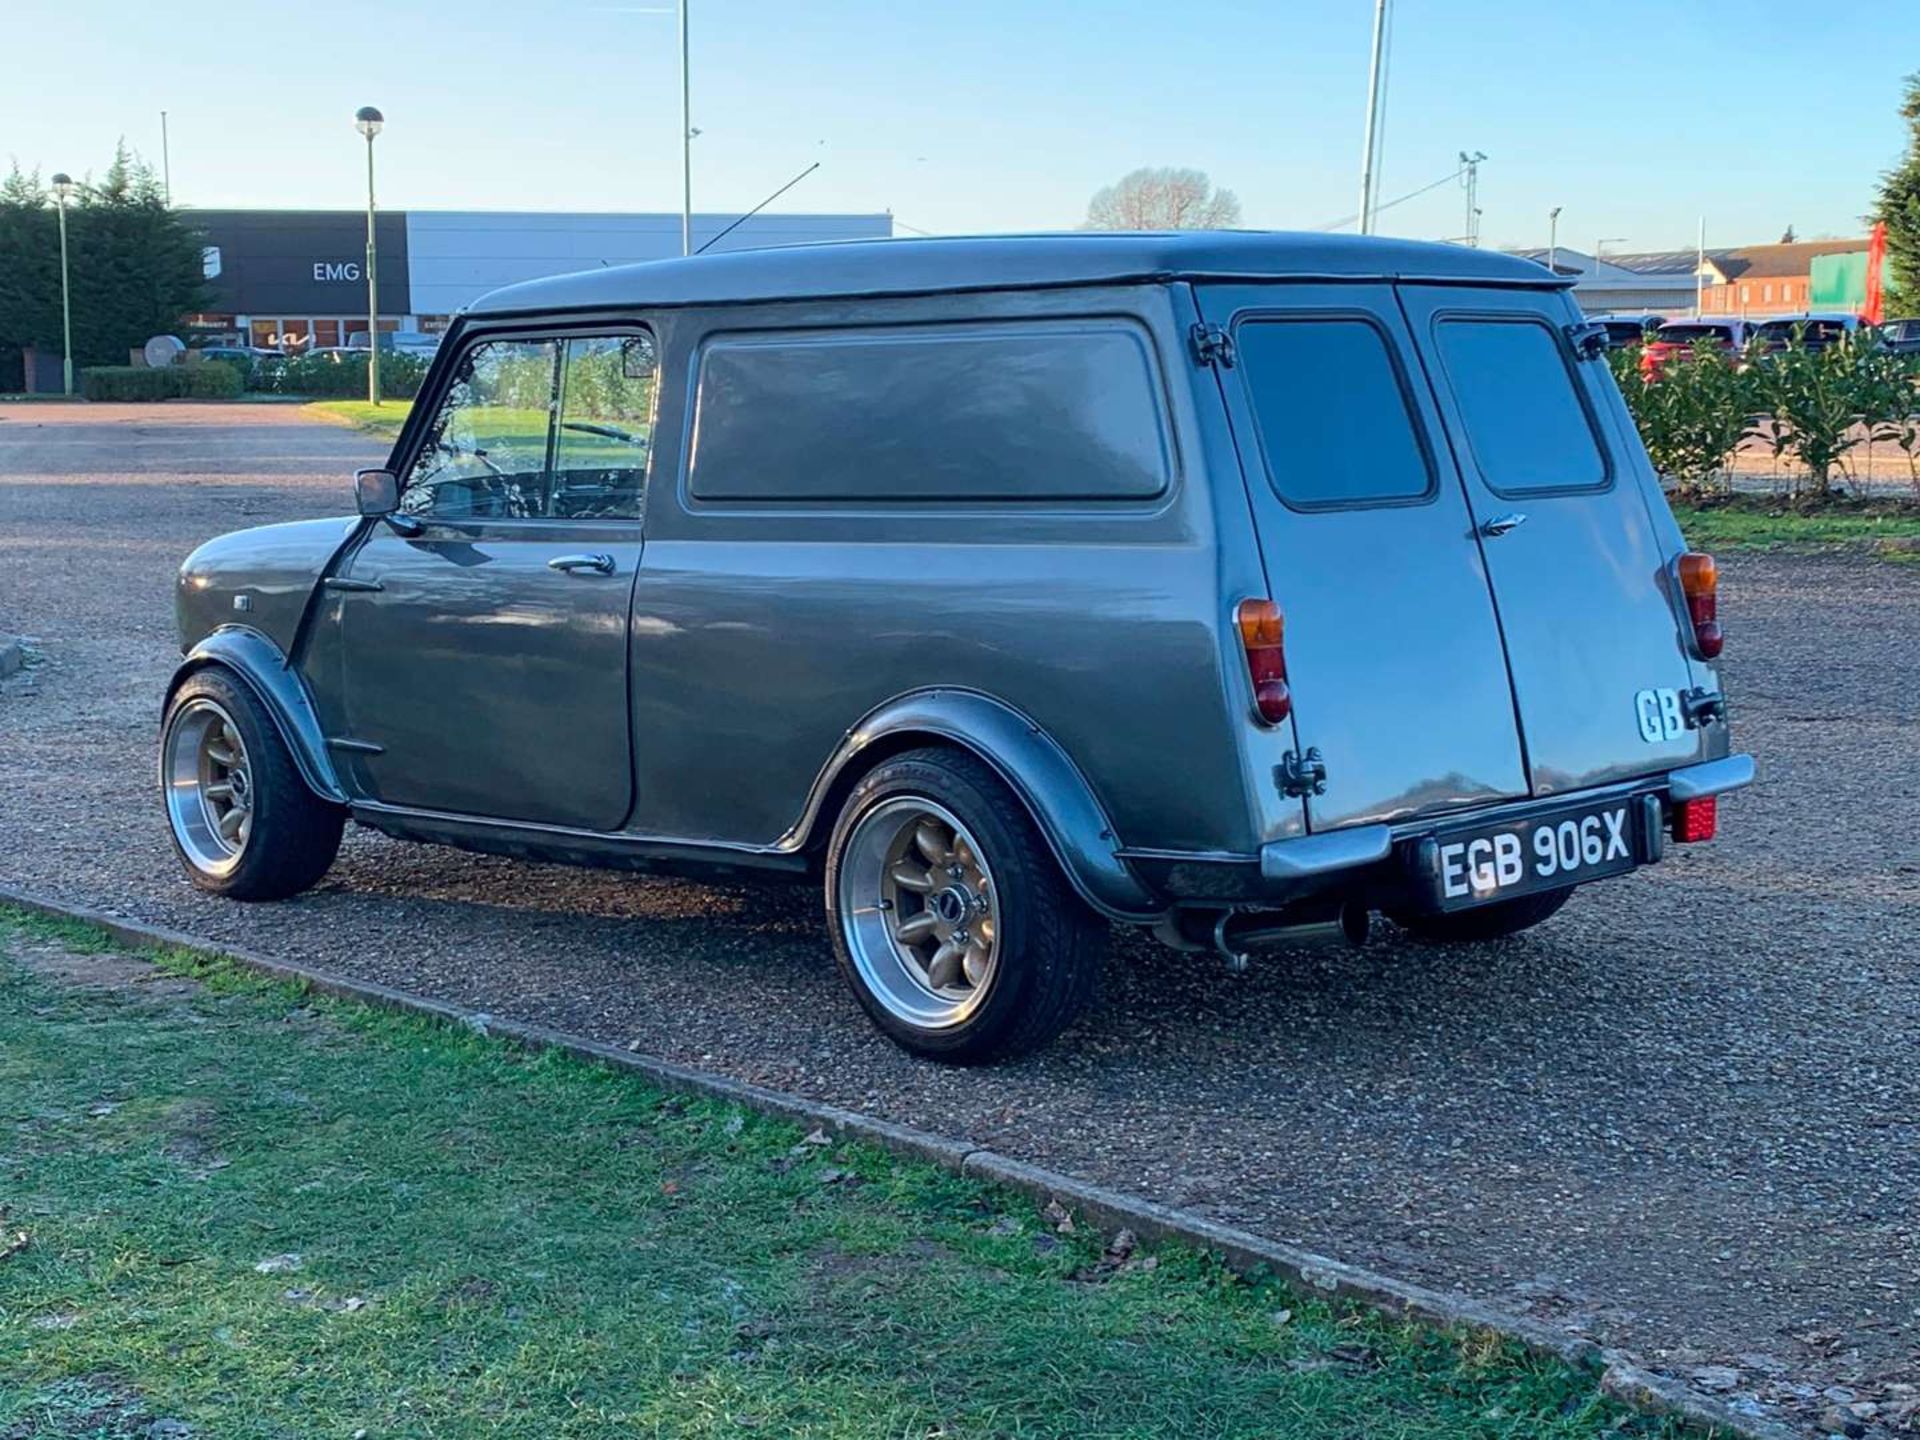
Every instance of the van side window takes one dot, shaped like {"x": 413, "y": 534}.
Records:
{"x": 1331, "y": 408}
{"x": 606, "y": 428}
{"x": 1524, "y": 420}
{"x": 485, "y": 457}
{"x": 1039, "y": 410}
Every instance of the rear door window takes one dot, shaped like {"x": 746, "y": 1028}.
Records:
{"x": 1330, "y": 403}
{"x": 1526, "y": 424}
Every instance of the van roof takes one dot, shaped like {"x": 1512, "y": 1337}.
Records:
{"x": 1005, "y": 262}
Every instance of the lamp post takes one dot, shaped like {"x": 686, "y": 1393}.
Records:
{"x": 1376, "y": 94}
{"x": 1553, "y": 240}
{"x": 686, "y": 139}
{"x": 63, "y": 188}
{"x": 368, "y": 121}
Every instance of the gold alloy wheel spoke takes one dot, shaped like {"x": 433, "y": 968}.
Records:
{"x": 975, "y": 966}
{"x": 920, "y": 882}
{"x": 947, "y": 966}
{"x": 931, "y": 843}
{"x": 917, "y": 928}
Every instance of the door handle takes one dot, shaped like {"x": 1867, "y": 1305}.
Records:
{"x": 599, "y": 564}
{"x": 1501, "y": 524}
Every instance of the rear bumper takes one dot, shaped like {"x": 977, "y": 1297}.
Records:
{"x": 1359, "y": 862}
{"x": 1318, "y": 862}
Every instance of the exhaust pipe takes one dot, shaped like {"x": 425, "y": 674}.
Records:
{"x": 1234, "y": 935}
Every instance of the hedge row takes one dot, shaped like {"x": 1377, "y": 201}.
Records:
{"x": 325, "y": 377}
{"x": 209, "y": 381}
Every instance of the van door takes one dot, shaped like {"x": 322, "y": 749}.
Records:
{"x": 1393, "y": 648}
{"x": 1580, "y": 577}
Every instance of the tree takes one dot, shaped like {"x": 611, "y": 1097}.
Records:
{"x": 1164, "y": 198}
{"x": 1899, "y": 207}
{"x": 134, "y": 264}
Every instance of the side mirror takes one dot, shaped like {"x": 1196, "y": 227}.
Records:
{"x": 376, "y": 492}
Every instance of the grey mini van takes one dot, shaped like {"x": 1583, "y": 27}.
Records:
{"x": 1233, "y": 585}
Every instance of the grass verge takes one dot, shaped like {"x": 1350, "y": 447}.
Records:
{"x": 1762, "y": 522}
{"x": 232, "y": 1205}
{"x": 385, "y": 418}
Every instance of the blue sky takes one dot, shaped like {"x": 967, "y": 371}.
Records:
{"x": 1636, "y": 116}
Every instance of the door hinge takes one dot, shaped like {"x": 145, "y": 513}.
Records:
{"x": 1299, "y": 775}
{"x": 1211, "y": 345}
{"x": 1588, "y": 339}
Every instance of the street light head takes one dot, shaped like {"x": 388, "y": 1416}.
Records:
{"x": 63, "y": 185}
{"x": 368, "y": 121}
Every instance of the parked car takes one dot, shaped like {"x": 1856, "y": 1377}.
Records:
{"x": 1014, "y": 586}
{"x": 406, "y": 342}
{"x": 1629, "y": 329}
{"x": 1901, "y": 336}
{"x": 1816, "y": 332}
{"x": 1676, "y": 339}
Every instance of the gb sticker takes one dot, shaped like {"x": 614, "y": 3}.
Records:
{"x": 1659, "y": 714}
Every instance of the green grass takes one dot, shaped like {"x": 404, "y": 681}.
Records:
{"x": 1758, "y": 522}
{"x": 383, "y": 419}
{"x": 503, "y": 1244}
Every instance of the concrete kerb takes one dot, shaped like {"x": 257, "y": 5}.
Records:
{"x": 1108, "y": 1209}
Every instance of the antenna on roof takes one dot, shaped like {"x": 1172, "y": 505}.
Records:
{"x": 761, "y": 206}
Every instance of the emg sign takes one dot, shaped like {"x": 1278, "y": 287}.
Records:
{"x": 326, "y": 270}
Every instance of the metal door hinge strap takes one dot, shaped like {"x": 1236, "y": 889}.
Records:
{"x": 345, "y": 582}
{"x": 1588, "y": 339}
{"x": 1302, "y": 774}
{"x": 1211, "y": 345}
{"x": 1703, "y": 707}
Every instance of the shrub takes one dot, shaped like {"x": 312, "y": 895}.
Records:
{"x": 325, "y": 377}
{"x": 210, "y": 381}
{"x": 1694, "y": 415}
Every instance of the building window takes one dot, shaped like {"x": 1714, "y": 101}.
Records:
{"x": 1745, "y": 293}
{"x": 1766, "y": 294}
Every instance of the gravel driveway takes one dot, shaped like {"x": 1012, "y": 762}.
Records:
{"x": 1682, "y": 1118}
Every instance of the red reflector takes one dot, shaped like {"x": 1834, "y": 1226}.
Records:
{"x": 1263, "y": 636}
{"x": 1694, "y": 820}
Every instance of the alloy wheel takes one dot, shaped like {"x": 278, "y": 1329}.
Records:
{"x": 209, "y": 785}
{"x": 919, "y": 911}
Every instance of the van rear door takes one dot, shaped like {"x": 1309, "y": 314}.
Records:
{"x": 1581, "y": 579}
{"x": 1393, "y": 647}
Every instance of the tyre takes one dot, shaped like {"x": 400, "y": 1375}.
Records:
{"x": 1487, "y": 922}
{"x": 951, "y": 920}
{"x": 244, "y": 823}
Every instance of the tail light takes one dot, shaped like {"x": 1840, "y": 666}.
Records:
{"x": 1263, "y": 635}
{"x": 1700, "y": 584}
{"x": 1694, "y": 820}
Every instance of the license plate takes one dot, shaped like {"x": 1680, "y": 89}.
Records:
{"x": 1476, "y": 865}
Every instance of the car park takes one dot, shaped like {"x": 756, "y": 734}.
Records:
{"x": 1623, "y": 330}
{"x": 1676, "y": 339}
{"x": 1007, "y": 588}
{"x": 405, "y": 342}
{"x": 1816, "y": 332}
{"x": 1902, "y": 336}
